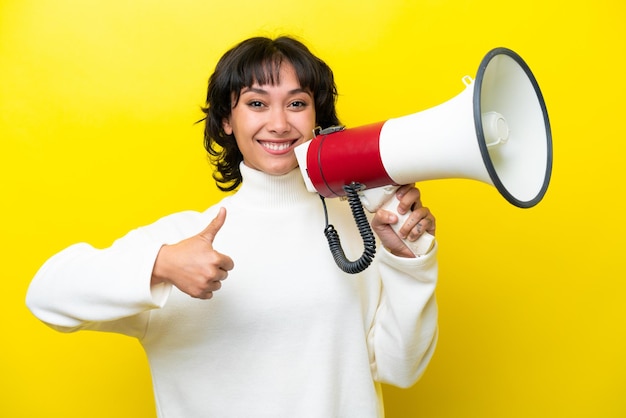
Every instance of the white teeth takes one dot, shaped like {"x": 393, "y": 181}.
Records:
{"x": 276, "y": 146}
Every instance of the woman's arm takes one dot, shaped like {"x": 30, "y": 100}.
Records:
{"x": 83, "y": 287}
{"x": 404, "y": 334}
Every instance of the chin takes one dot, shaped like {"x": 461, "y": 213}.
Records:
{"x": 280, "y": 169}
{"x": 281, "y": 172}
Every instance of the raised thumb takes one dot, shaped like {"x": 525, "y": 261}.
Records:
{"x": 213, "y": 228}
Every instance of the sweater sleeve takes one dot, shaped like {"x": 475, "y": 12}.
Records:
{"x": 404, "y": 334}
{"x": 101, "y": 289}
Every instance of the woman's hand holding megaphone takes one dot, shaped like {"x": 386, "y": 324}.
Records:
{"x": 405, "y": 227}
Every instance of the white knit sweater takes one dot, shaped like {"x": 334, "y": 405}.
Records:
{"x": 288, "y": 335}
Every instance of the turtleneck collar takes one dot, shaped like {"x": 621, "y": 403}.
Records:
{"x": 272, "y": 192}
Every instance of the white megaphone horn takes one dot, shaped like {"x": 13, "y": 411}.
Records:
{"x": 495, "y": 131}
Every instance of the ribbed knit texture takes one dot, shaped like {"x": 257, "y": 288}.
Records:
{"x": 288, "y": 335}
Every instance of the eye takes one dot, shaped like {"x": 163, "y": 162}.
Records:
{"x": 257, "y": 104}
{"x": 298, "y": 104}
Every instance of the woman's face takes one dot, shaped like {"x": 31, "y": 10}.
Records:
{"x": 269, "y": 121}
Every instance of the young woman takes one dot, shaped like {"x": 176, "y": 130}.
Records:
{"x": 288, "y": 334}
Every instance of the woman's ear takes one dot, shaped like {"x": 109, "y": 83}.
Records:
{"x": 228, "y": 129}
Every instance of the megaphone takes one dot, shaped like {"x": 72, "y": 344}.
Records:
{"x": 495, "y": 131}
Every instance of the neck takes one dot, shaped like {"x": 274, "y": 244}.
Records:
{"x": 269, "y": 191}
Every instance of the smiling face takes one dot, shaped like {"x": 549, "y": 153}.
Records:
{"x": 270, "y": 120}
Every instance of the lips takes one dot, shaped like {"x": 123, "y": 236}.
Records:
{"x": 277, "y": 147}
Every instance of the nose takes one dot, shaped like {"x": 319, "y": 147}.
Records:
{"x": 278, "y": 122}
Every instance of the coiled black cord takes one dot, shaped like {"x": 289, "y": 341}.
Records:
{"x": 369, "y": 241}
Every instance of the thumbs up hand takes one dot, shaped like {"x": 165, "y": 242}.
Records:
{"x": 192, "y": 265}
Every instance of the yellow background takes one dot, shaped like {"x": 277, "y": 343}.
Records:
{"x": 98, "y": 101}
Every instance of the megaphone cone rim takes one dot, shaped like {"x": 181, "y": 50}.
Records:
{"x": 481, "y": 134}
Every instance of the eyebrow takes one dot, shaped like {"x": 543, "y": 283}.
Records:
{"x": 265, "y": 92}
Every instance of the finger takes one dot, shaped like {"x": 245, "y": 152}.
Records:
{"x": 411, "y": 228}
{"x": 225, "y": 264}
{"x": 205, "y": 295}
{"x": 431, "y": 226}
{"x": 206, "y": 290}
{"x": 425, "y": 224}
{"x": 214, "y": 286}
{"x": 213, "y": 228}
{"x": 409, "y": 198}
{"x": 383, "y": 218}
{"x": 416, "y": 223}
{"x": 222, "y": 267}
